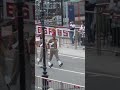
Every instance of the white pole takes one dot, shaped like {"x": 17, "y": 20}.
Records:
{"x": 67, "y": 20}
{"x": 47, "y": 7}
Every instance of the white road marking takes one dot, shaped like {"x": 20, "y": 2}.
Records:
{"x": 64, "y": 70}
{"x": 40, "y": 88}
{"x": 71, "y": 56}
{"x": 61, "y": 54}
{"x": 9, "y": 59}
{"x": 101, "y": 74}
{"x": 68, "y": 71}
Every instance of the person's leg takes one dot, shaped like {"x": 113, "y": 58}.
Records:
{"x": 47, "y": 54}
{"x": 50, "y": 58}
{"x": 2, "y": 73}
{"x": 57, "y": 57}
{"x": 15, "y": 69}
{"x": 40, "y": 55}
{"x": 71, "y": 37}
{"x": 79, "y": 39}
{"x": 36, "y": 53}
{"x": 3, "y": 85}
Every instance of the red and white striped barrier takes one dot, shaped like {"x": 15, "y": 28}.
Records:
{"x": 55, "y": 84}
{"x": 60, "y": 31}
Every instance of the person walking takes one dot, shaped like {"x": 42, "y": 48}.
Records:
{"x": 3, "y": 84}
{"x": 37, "y": 47}
{"x": 82, "y": 34}
{"x": 40, "y": 51}
{"x": 52, "y": 44}
{"x": 72, "y": 28}
{"x": 15, "y": 74}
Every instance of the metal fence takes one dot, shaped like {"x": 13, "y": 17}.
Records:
{"x": 103, "y": 29}
{"x": 55, "y": 84}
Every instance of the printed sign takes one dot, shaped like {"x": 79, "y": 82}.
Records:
{"x": 63, "y": 32}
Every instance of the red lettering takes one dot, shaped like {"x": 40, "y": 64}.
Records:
{"x": 39, "y": 29}
{"x": 59, "y": 32}
{"x": 50, "y": 30}
{"x": 65, "y": 33}
{"x": 45, "y": 30}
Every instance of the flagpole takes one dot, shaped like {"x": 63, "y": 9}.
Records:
{"x": 67, "y": 19}
{"x": 62, "y": 22}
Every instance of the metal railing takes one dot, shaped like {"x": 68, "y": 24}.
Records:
{"x": 55, "y": 84}
{"x": 106, "y": 31}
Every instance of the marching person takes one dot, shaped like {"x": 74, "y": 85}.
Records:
{"x": 37, "y": 47}
{"x": 52, "y": 44}
{"x": 40, "y": 51}
{"x": 3, "y": 85}
{"x": 15, "y": 75}
{"x": 82, "y": 29}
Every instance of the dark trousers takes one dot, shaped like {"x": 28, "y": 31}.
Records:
{"x": 71, "y": 37}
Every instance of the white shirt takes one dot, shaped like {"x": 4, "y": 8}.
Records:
{"x": 72, "y": 25}
{"x": 37, "y": 38}
{"x": 15, "y": 45}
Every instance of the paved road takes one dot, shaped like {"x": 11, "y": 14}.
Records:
{"x": 73, "y": 70}
{"x": 101, "y": 82}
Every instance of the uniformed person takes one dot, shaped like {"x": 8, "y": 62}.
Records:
{"x": 40, "y": 51}
{"x": 37, "y": 47}
{"x": 15, "y": 76}
{"x": 52, "y": 43}
{"x": 3, "y": 85}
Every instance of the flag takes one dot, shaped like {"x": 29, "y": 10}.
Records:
{"x": 71, "y": 14}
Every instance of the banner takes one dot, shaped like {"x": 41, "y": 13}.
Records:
{"x": 62, "y": 32}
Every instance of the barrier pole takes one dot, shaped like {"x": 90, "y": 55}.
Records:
{"x": 59, "y": 38}
{"x": 75, "y": 38}
{"x": 59, "y": 41}
{"x": 62, "y": 87}
{"x": 67, "y": 43}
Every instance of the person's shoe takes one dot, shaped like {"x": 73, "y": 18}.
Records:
{"x": 61, "y": 65}
{"x": 51, "y": 65}
{"x": 8, "y": 86}
{"x": 39, "y": 61}
{"x": 41, "y": 66}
